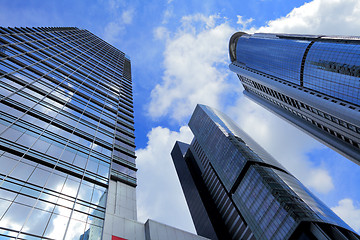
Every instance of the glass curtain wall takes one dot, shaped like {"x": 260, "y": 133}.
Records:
{"x": 66, "y": 126}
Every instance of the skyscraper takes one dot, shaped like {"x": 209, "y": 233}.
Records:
{"x": 236, "y": 190}
{"x": 66, "y": 132}
{"x": 67, "y": 153}
{"x": 312, "y": 81}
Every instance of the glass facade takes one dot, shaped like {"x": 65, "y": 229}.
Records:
{"x": 334, "y": 69}
{"x": 255, "y": 196}
{"x": 330, "y": 67}
{"x": 311, "y": 81}
{"x": 66, "y": 128}
{"x": 269, "y": 55}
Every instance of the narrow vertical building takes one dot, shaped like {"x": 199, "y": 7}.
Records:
{"x": 312, "y": 81}
{"x": 236, "y": 190}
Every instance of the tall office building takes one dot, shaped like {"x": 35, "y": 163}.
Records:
{"x": 236, "y": 190}
{"x": 66, "y": 132}
{"x": 67, "y": 153}
{"x": 311, "y": 81}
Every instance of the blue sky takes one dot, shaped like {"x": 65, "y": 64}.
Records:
{"x": 179, "y": 58}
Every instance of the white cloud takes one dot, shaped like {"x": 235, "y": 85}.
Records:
{"x": 113, "y": 30}
{"x": 113, "y": 5}
{"x": 243, "y": 23}
{"x": 195, "y": 61}
{"x": 319, "y": 17}
{"x": 161, "y": 33}
{"x": 117, "y": 27}
{"x": 319, "y": 179}
{"x": 189, "y": 21}
{"x": 159, "y": 193}
{"x": 349, "y": 212}
{"x": 168, "y": 13}
{"x": 127, "y": 16}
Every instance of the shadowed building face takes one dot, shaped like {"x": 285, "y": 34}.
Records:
{"x": 236, "y": 190}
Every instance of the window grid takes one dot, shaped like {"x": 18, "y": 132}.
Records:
{"x": 65, "y": 110}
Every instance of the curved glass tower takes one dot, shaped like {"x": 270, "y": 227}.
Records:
{"x": 312, "y": 81}
{"x": 236, "y": 190}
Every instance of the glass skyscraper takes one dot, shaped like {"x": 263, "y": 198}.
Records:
{"x": 236, "y": 190}
{"x": 66, "y": 133}
{"x": 312, "y": 81}
{"x": 67, "y": 153}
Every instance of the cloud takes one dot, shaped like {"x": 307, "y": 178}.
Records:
{"x": 349, "y": 212}
{"x": 112, "y": 30}
{"x": 161, "y": 33}
{"x": 127, "y": 16}
{"x": 284, "y": 142}
{"x": 159, "y": 193}
{"x": 195, "y": 62}
{"x": 318, "y": 17}
{"x": 168, "y": 13}
{"x": 319, "y": 179}
{"x": 113, "y": 5}
{"x": 120, "y": 19}
{"x": 243, "y": 23}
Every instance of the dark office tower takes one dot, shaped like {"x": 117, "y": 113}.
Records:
{"x": 311, "y": 81}
{"x": 237, "y": 190}
{"x": 66, "y": 134}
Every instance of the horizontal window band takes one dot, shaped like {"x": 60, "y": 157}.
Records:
{"x": 50, "y": 192}
{"x": 54, "y": 80}
{"x": 116, "y": 176}
{"x": 127, "y": 133}
{"x": 125, "y": 141}
{"x": 61, "y": 101}
{"x": 125, "y": 151}
{"x": 57, "y": 59}
{"x": 38, "y": 157}
{"x": 15, "y": 232}
{"x": 125, "y": 163}
{"x": 333, "y": 123}
{"x": 14, "y": 31}
{"x": 24, "y": 108}
{"x": 72, "y": 107}
{"x": 313, "y": 92}
{"x": 97, "y": 94}
{"x": 276, "y": 95}
{"x": 60, "y": 141}
{"x": 66, "y": 127}
{"x": 129, "y": 142}
{"x": 65, "y": 86}
{"x": 94, "y": 62}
